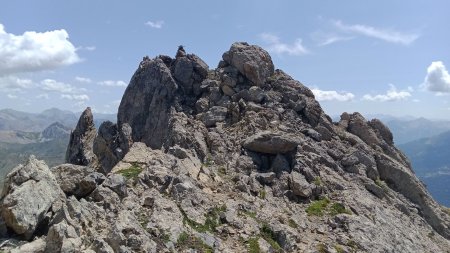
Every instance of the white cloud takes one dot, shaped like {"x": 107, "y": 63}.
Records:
{"x": 391, "y": 95}
{"x": 83, "y": 79}
{"x": 155, "y": 24}
{"x": 43, "y": 96}
{"x": 382, "y": 34}
{"x": 276, "y": 46}
{"x": 329, "y": 95}
{"x": 81, "y": 97}
{"x": 325, "y": 39}
{"x": 14, "y": 84}
{"x": 53, "y": 85}
{"x": 110, "y": 83}
{"x": 11, "y": 96}
{"x": 437, "y": 78}
{"x": 34, "y": 51}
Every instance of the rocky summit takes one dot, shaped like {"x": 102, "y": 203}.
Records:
{"x": 240, "y": 158}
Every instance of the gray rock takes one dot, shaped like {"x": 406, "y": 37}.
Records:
{"x": 299, "y": 185}
{"x": 80, "y": 148}
{"x": 28, "y": 193}
{"x": 117, "y": 183}
{"x": 77, "y": 180}
{"x": 266, "y": 178}
{"x": 214, "y": 115}
{"x": 251, "y": 61}
{"x": 271, "y": 143}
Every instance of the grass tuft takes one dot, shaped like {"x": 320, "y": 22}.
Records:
{"x": 318, "y": 207}
{"x": 132, "y": 172}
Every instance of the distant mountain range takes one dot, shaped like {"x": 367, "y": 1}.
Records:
{"x": 36, "y": 122}
{"x": 430, "y": 158}
{"x": 408, "y": 128}
{"x": 44, "y": 135}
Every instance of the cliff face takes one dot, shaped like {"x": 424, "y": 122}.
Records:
{"x": 240, "y": 158}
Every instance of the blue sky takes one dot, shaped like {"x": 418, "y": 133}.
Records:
{"x": 386, "y": 57}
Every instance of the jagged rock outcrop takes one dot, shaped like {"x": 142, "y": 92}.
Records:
{"x": 235, "y": 159}
{"x": 80, "y": 149}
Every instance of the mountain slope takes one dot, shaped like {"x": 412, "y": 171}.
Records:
{"x": 241, "y": 158}
{"x": 430, "y": 158}
{"x": 414, "y": 129}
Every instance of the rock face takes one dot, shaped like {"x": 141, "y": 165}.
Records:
{"x": 227, "y": 160}
{"x": 29, "y": 192}
{"x": 80, "y": 149}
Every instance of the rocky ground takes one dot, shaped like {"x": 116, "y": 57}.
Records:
{"x": 237, "y": 159}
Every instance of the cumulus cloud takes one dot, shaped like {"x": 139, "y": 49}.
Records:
{"x": 391, "y": 95}
{"x": 83, "y": 79}
{"x": 437, "y": 78}
{"x": 329, "y": 95}
{"x": 155, "y": 24}
{"x": 81, "y": 97}
{"x": 35, "y": 51}
{"x": 275, "y": 45}
{"x": 387, "y": 35}
{"x": 12, "y": 96}
{"x": 110, "y": 83}
{"x": 14, "y": 84}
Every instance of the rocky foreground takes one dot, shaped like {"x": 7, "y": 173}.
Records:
{"x": 237, "y": 159}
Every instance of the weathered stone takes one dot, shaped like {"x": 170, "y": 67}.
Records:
{"x": 80, "y": 148}
{"x": 28, "y": 193}
{"x": 77, "y": 180}
{"x": 271, "y": 143}
{"x": 299, "y": 185}
{"x": 117, "y": 183}
{"x": 252, "y": 61}
{"x": 214, "y": 115}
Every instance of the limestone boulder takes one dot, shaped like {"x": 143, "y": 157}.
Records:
{"x": 28, "y": 194}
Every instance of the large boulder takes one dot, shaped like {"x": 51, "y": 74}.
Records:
{"x": 252, "y": 61}
{"x": 28, "y": 193}
{"x": 271, "y": 142}
{"x": 80, "y": 148}
{"x": 77, "y": 180}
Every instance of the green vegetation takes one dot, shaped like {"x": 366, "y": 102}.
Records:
{"x": 165, "y": 237}
{"x": 322, "y": 206}
{"x": 317, "y": 181}
{"x": 338, "y": 249}
{"x": 292, "y": 223}
{"x": 186, "y": 241}
{"x": 182, "y": 238}
{"x": 337, "y": 208}
{"x": 222, "y": 171}
{"x": 381, "y": 184}
{"x": 209, "y": 161}
{"x": 249, "y": 214}
{"x": 253, "y": 245}
{"x": 269, "y": 236}
{"x": 211, "y": 223}
{"x": 262, "y": 194}
{"x": 352, "y": 244}
{"x": 318, "y": 207}
{"x": 321, "y": 248}
{"x": 132, "y": 172}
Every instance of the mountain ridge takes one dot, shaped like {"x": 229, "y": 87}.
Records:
{"x": 234, "y": 159}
